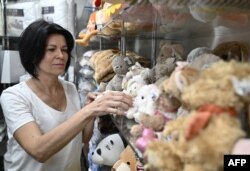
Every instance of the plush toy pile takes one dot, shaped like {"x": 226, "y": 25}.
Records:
{"x": 194, "y": 142}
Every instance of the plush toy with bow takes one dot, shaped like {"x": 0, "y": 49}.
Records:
{"x": 212, "y": 128}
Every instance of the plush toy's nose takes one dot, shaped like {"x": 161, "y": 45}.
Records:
{"x": 99, "y": 151}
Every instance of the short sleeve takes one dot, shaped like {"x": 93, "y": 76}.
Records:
{"x": 16, "y": 109}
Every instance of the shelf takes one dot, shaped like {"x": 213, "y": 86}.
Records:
{"x": 180, "y": 19}
{"x": 124, "y": 125}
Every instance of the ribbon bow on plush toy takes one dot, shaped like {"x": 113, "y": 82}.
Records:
{"x": 203, "y": 114}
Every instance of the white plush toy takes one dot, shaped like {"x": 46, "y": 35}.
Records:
{"x": 108, "y": 150}
{"x": 144, "y": 102}
{"x": 134, "y": 85}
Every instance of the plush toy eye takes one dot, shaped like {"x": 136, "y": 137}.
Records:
{"x": 128, "y": 163}
{"x": 111, "y": 142}
{"x": 142, "y": 97}
{"x": 99, "y": 151}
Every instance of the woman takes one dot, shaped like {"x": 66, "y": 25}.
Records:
{"x": 46, "y": 126}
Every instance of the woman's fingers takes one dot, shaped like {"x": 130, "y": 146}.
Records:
{"x": 91, "y": 96}
{"x": 114, "y": 102}
{"x": 120, "y": 105}
{"x": 119, "y": 97}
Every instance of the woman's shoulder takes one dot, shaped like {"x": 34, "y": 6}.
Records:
{"x": 17, "y": 90}
{"x": 19, "y": 87}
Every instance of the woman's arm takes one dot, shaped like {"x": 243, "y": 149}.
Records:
{"x": 43, "y": 146}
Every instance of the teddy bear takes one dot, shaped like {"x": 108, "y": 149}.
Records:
{"x": 147, "y": 121}
{"x": 199, "y": 140}
{"x": 170, "y": 102}
{"x": 196, "y": 52}
{"x": 204, "y": 61}
{"x": 217, "y": 81}
{"x": 202, "y": 152}
{"x": 144, "y": 102}
{"x": 120, "y": 67}
{"x": 127, "y": 161}
{"x": 182, "y": 77}
{"x": 169, "y": 54}
{"x": 101, "y": 62}
{"x": 135, "y": 78}
{"x": 232, "y": 50}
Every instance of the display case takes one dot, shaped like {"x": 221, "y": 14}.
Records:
{"x": 223, "y": 27}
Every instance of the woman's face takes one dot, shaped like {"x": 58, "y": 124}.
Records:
{"x": 55, "y": 57}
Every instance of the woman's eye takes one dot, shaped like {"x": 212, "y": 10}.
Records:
{"x": 51, "y": 49}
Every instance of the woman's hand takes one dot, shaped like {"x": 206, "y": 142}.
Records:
{"x": 91, "y": 96}
{"x": 114, "y": 102}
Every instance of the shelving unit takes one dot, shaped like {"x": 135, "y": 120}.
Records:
{"x": 192, "y": 23}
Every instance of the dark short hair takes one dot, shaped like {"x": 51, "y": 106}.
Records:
{"x": 33, "y": 41}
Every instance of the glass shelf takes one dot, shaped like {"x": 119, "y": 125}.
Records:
{"x": 124, "y": 125}
{"x": 181, "y": 18}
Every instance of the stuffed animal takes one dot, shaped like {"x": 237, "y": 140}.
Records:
{"x": 127, "y": 161}
{"x": 169, "y": 103}
{"x": 134, "y": 85}
{"x": 148, "y": 135}
{"x": 217, "y": 81}
{"x": 235, "y": 50}
{"x": 196, "y": 52}
{"x": 200, "y": 152}
{"x": 101, "y": 62}
{"x": 108, "y": 150}
{"x": 120, "y": 66}
{"x": 135, "y": 78}
{"x": 144, "y": 102}
{"x": 200, "y": 139}
{"x": 204, "y": 61}
{"x": 182, "y": 77}
{"x": 88, "y": 34}
{"x": 166, "y": 60}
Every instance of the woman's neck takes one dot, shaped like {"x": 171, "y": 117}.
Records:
{"x": 47, "y": 85}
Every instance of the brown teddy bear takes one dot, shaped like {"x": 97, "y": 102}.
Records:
{"x": 101, "y": 62}
{"x": 217, "y": 82}
{"x": 182, "y": 77}
{"x": 166, "y": 60}
{"x": 198, "y": 141}
{"x": 232, "y": 50}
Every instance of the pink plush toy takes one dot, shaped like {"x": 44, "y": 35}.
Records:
{"x": 148, "y": 135}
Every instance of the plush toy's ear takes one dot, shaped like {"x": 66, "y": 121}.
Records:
{"x": 180, "y": 81}
{"x": 185, "y": 77}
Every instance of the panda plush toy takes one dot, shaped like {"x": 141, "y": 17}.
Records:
{"x": 108, "y": 150}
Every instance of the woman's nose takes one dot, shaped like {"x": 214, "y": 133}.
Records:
{"x": 60, "y": 53}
